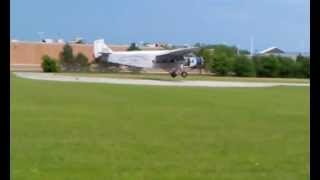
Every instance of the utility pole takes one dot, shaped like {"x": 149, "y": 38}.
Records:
{"x": 238, "y": 50}
{"x": 251, "y": 45}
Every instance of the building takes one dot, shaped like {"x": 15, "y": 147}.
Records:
{"x": 27, "y": 56}
{"x": 47, "y": 40}
{"x": 271, "y": 51}
{"x": 279, "y": 52}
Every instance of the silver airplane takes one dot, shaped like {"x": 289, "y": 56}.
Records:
{"x": 174, "y": 61}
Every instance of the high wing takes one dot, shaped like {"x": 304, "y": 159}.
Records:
{"x": 175, "y": 54}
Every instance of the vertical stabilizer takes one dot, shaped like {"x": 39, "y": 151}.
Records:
{"x": 99, "y": 48}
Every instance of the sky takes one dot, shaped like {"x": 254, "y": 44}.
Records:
{"x": 281, "y": 23}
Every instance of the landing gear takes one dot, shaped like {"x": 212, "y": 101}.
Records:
{"x": 184, "y": 74}
{"x": 173, "y": 74}
{"x": 179, "y": 71}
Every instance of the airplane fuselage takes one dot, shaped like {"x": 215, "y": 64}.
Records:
{"x": 144, "y": 59}
{"x": 172, "y": 61}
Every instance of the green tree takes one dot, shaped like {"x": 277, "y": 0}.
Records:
{"x": 244, "y": 52}
{"x": 229, "y": 51}
{"x": 219, "y": 58}
{"x": 266, "y": 66}
{"x": 81, "y": 60}
{"x": 220, "y": 64}
{"x": 70, "y": 62}
{"x": 66, "y": 56}
{"x": 49, "y": 64}
{"x": 207, "y": 55}
{"x": 302, "y": 68}
{"x": 286, "y": 67}
{"x": 133, "y": 47}
{"x": 243, "y": 66}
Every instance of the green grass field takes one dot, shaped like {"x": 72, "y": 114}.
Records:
{"x": 67, "y": 131}
{"x": 204, "y": 77}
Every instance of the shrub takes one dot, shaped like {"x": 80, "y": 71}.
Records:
{"x": 81, "y": 60}
{"x": 70, "y": 62}
{"x": 244, "y": 66}
{"x": 49, "y": 64}
{"x": 220, "y": 64}
{"x": 229, "y": 51}
{"x": 206, "y": 54}
{"x": 302, "y": 67}
{"x": 266, "y": 66}
{"x": 133, "y": 47}
{"x": 66, "y": 56}
{"x": 218, "y": 58}
{"x": 286, "y": 67}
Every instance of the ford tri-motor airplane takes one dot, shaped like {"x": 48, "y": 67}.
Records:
{"x": 174, "y": 61}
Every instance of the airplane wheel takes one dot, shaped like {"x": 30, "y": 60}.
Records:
{"x": 184, "y": 74}
{"x": 173, "y": 74}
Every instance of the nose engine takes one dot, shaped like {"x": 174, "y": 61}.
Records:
{"x": 191, "y": 62}
{"x": 194, "y": 61}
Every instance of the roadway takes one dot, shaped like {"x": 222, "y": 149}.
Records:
{"x": 182, "y": 83}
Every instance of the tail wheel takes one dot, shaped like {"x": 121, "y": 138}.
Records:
{"x": 173, "y": 74}
{"x": 184, "y": 74}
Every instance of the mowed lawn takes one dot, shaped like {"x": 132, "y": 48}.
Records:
{"x": 68, "y": 131}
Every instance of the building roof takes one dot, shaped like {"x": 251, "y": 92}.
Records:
{"x": 271, "y": 50}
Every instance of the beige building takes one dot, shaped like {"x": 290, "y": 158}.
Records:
{"x": 26, "y": 56}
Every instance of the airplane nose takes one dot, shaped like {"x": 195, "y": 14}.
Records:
{"x": 199, "y": 61}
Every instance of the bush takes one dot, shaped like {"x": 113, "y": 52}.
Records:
{"x": 218, "y": 58}
{"x": 220, "y": 64}
{"x": 70, "y": 62}
{"x": 244, "y": 67}
{"x": 49, "y": 64}
{"x": 81, "y": 60}
{"x": 224, "y": 60}
{"x": 286, "y": 67}
{"x": 66, "y": 56}
{"x": 302, "y": 67}
{"x": 133, "y": 47}
{"x": 229, "y": 51}
{"x": 206, "y": 54}
{"x": 266, "y": 66}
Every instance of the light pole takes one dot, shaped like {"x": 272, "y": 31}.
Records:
{"x": 251, "y": 45}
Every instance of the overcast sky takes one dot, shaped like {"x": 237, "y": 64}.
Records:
{"x": 281, "y": 23}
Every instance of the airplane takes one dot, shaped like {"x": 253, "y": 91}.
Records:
{"x": 173, "y": 61}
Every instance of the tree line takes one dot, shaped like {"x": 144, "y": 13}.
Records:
{"x": 67, "y": 61}
{"x": 228, "y": 60}
{"x": 219, "y": 59}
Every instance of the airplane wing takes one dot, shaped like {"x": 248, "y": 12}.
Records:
{"x": 175, "y": 54}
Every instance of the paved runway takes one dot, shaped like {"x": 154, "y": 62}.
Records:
{"x": 186, "y": 83}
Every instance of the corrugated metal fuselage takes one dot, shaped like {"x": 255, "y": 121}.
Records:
{"x": 144, "y": 59}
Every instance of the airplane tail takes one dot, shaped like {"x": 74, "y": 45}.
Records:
{"x": 99, "y": 48}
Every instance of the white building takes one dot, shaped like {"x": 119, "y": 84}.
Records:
{"x": 278, "y": 52}
{"x": 47, "y": 40}
{"x": 271, "y": 51}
